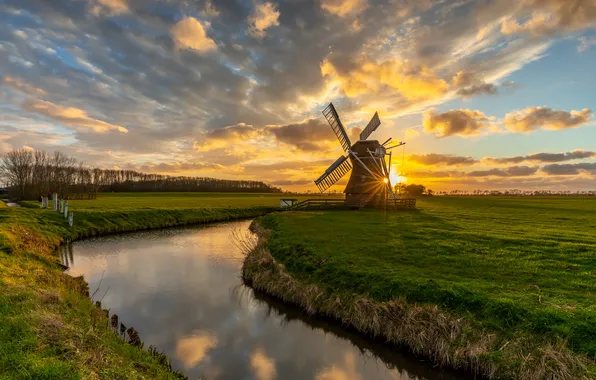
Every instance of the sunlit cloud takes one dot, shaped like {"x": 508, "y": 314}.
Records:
{"x": 23, "y": 87}
{"x": 308, "y": 135}
{"x": 262, "y": 365}
{"x": 191, "y": 350}
{"x": 370, "y": 78}
{"x": 226, "y": 137}
{"x": 264, "y": 16}
{"x": 531, "y": 119}
{"x": 570, "y": 169}
{"x": 455, "y": 123}
{"x": 542, "y": 157}
{"x": 108, "y": 7}
{"x": 552, "y": 16}
{"x": 343, "y": 8}
{"x": 441, "y": 159}
{"x": 72, "y": 117}
{"x": 189, "y": 33}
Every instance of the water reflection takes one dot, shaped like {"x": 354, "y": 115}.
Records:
{"x": 180, "y": 289}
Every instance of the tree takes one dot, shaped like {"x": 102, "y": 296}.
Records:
{"x": 16, "y": 166}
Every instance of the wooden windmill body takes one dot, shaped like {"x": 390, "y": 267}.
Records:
{"x": 369, "y": 183}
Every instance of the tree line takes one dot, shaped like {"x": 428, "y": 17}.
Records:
{"x": 32, "y": 174}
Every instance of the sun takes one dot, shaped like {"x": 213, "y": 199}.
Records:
{"x": 386, "y": 180}
{"x": 397, "y": 179}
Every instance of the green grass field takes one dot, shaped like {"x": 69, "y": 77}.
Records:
{"x": 177, "y": 201}
{"x": 511, "y": 264}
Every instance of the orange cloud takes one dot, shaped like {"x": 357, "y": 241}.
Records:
{"x": 552, "y": 16}
{"x": 262, "y": 365}
{"x": 23, "y": 87}
{"x": 109, "y": 7}
{"x": 225, "y": 137}
{"x": 441, "y": 159}
{"x": 189, "y": 33}
{"x": 371, "y": 78}
{"x": 343, "y": 8}
{"x": 70, "y": 116}
{"x": 455, "y": 122}
{"x": 264, "y": 16}
{"x": 533, "y": 118}
{"x": 192, "y": 349}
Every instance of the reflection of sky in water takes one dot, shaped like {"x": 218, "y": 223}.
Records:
{"x": 180, "y": 289}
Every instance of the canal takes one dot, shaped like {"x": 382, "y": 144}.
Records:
{"x": 180, "y": 288}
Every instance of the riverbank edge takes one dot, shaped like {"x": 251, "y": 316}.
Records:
{"x": 449, "y": 340}
{"x": 38, "y": 296}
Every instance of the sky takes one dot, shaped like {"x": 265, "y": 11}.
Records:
{"x": 487, "y": 94}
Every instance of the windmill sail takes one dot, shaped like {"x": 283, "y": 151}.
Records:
{"x": 372, "y": 126}
{"x": 333, "y": 118}
{"x": 334, "y": 173}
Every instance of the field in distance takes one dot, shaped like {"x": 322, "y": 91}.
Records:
{"x": 513, "y": 264}
{"x": 190, "y": 200}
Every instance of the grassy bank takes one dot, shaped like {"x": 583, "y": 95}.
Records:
{"x": 517, "y": 273}
{"x": 49, "y": 328}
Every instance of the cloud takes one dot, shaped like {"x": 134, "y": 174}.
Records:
{"x": 210, "y": 10}
{"x": 411, "y": 133}
{"x": 469, "y": 84}
{"x": 189, "y": 33}
{"x": 586, "y": 43}
{"x": 226, "y": 137}
{"x": 344, "y": 8}
{"x": 367, "y": 77}
{"x": 309, "y": 135}
{"x": 570, "y": 169}
{"x": 441, "y": 159}
{"x": 23, "y": 87}
{"x": 191, "y": 350}
{"x": 264, "y": 16}
{"x": 109, "y": 7}
{"x": 479, "y": 89}
{"x": 464, "y": 78}
{"x": 70, "y": 117}
{"x": 552, "y": 16}
{"x": 530, "y": 119}
{"x": 262, "y": 365}
{"x": 543, "y": 157}
{"x": 514, "y": 171}
{"x": 177, "y": 167}
{"x": 463, "y": 122}
{"x": 121, "y": 71}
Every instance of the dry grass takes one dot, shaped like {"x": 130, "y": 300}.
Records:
{"x": 449, "y": 340}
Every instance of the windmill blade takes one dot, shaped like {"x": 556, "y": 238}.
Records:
{"x": 372, "y": 126}
{"x": 333, "y": 118}
{"x": 334, "y": 173}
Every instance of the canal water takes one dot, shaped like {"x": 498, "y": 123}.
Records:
{"x": 181, "y": 290}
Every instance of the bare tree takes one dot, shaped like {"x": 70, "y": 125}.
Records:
{"x": 16, "y": 167}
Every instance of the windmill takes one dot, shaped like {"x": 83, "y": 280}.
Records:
{"x": 369, "y": 183}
